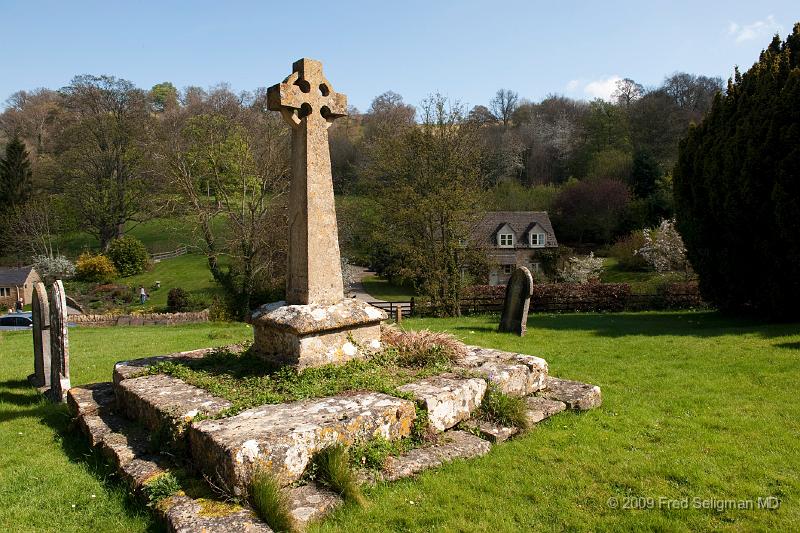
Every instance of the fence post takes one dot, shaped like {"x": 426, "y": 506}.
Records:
{"x": 411, "y": 313}
{"x": 398, "y": 314}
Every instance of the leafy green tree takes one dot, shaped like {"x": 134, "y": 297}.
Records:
{"x": 737, "y": 188}
{"x": 15, "y": 176}
{"x": 645, "y": 174}
{"x": 163, "y": 96}
{"x": 428, "y": 182}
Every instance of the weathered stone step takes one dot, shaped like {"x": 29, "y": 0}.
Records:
{"x": 126, "y": 446}
{"x": 512, "y": 373}
{"x": 457, "y": 445}
{"x": 160, "y": 401}
{"x": 448, "y": 399}
{"x": 127, "y": 369}
{"x": 283, "y": 437}
{"x": 575, "y": 395}
{"x": 311, "y": 502}
{"x": 494, "y": 433}
{"x": 539, "y": 409}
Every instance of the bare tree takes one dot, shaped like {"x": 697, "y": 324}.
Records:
{"x": 503, "y": 105}
{"x": 627, "y": 92}
{"x": 233, "y": 169}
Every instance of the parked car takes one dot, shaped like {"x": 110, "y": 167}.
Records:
{"x": 16, "y": 321}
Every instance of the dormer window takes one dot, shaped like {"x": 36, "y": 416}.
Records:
{"x": 537, "y": 240}
{"x": 505, "y": 240}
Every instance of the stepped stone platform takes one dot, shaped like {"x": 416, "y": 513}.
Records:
{"x": 120, "y": 417}
{"x": 126, "y": 445}
{"x": 448, "y": 399}
{"x": 283, "y": 437}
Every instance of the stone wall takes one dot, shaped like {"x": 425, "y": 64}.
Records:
{"x": 144, "y": 319}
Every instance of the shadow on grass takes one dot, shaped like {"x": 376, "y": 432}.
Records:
{"x": 788, "y": 345}
{"x": 31, "y": 404}
{"x": 689, "y": 323}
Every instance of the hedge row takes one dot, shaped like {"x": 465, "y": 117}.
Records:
{"x": 566, "y": 297}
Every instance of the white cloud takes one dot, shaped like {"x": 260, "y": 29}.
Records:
{"x": 602, "y": 88}
{"x": 573, "y": 85}
{"x": 758, "y": 29}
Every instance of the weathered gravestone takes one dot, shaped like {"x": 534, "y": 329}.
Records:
{"x": 41, "y": 337}
{"x": 59, "y": 344}
{"x": 316, "y": 324}
{"x": 515, "y": 307}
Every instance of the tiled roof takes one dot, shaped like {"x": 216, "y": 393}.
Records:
{"x": 520, "y": 222}
{"x": 11, "y": 277}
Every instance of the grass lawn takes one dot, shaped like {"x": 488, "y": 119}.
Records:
{"x": 381, "y": 289}
{"x": 49, "y": 480}
{"x": 189, "y": 272}
{"x": 695, "y": 406}
{"x": 612, "y": 273}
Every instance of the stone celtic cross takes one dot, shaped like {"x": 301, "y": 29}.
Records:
{"x": 308, "y": 103}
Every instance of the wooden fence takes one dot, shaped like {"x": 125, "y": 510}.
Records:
{"x": 406, "y": 308}
{"x": 183, "y": 250}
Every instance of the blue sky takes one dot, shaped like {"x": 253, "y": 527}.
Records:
{"x": 463, "y": 49}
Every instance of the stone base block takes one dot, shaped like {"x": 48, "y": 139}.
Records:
{"x": 447, "y": 399}
{"x": 284, "y": 437}
{"x": 314, "y": 335}
{"x": 494, "y": 433}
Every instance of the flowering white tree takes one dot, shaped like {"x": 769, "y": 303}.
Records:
{"x": 663, "y": 248}
{"x": 57, "y": 267}
{"x": 582, "y": 269}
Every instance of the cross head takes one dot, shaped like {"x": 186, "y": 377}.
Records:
{"x": 306, "y": 94}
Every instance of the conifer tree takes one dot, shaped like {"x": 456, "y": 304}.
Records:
{"x": 15, "y": 176}
{"x": 737, "y": 188}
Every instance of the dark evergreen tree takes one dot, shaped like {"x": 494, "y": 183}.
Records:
{"x": 645, "y": 174}
{"x": 15, "y": 175}
{"x": 737, "y": 189}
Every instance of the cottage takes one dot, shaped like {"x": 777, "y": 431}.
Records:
{"x": 16, "y": 283}
{"x": 514, "y": 238}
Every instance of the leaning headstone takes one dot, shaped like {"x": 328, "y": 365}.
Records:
{"x": 41, "y": 338}
{"x": 59, "y": 344}
{"x": 518, "y": 297}
{"x": 316, "y": 325}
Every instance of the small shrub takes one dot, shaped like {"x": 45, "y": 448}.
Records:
{"x": 129, "y": 255}
{"x": 219, "y": 311}
{"x": 422, "y": 348}
{"x": 161, "y": 487}
{"x": 332, "y": 469}
{"x": 504, "y": 409}
{"x": 95, "y": 268}
{"x": 270, "y": 502}
{"x": 177, "y": 300}
{"x": 625, "y": 252}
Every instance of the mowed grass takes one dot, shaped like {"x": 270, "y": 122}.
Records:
{"x": 189, "y": 272}
{"x": 49, "y": 479}
{"x": 694, "y": 406}
{"x": 381, "y": 289}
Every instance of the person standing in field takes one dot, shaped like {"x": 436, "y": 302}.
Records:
{"x": 142, "y": 295}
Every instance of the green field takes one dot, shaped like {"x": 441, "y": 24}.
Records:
{"x": 189, "y": 272}
{"x": 695, "y": 406}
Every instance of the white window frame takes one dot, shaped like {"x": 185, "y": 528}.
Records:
{"x": 5, "y": 291}
{"x": 536, "y": 266}
{"x": 508, "y": 237}
{"x": 541, "y": 239}
{"x": 508, "y": 269}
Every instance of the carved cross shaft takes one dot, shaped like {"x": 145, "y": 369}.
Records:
{"x": 308, "y": 103}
